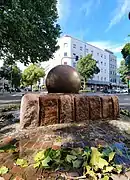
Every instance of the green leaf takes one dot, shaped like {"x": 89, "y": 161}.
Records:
{"x": 46, "y": 161}
{"x": 105, "y": 178}
{"x": 108, "y": 169}
{"x": 77, "y": 163}
{"x": 101, "y": 163}
{"x": 111, "y": 156}
{"x": 3, "y": 170}
{"x": 22, "y": 162}
{"x": 118, "y": 168}
{"x": 95, "y": 155}
{"x": 70, "y": 158}
{"x": 36, "y": 165}
{"x": 39, "y": 156}
{"x": 91, "y": 173}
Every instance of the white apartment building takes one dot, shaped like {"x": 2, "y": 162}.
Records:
{"x": 70, "y": 48}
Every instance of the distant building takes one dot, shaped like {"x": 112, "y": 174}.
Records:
{"x": 72, "y": 49}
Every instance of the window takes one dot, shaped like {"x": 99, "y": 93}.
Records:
{"x": 101, "y": 78}
{"x": 105, "y": 79}
{"x": 101, "y": 55}
{"x": 74, "y": 46}
{"x": 65, "y": 63}
{"x": 97, "y": 62}
{"x": 98, "y": 77}
{"x": 65, "y": 53}
{"x": 98, "y": 54}
{"x": 91, "y": 52}
{"x": 101, "y": 70}
{"x": 105, "y": 71}
{"x": 101, "y": 62}
{"x": 104, "y": 56}
{"x": 74, "y": 54}
{"x": 65, "y": 45}
{"x": 104, "y": 64}
{"x": 81, "y": 48}
{"x": 87, "y": 50}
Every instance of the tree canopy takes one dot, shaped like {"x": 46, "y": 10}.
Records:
{"x": 123, "y": 69}
{"x": 32, "y": 74}
{"x": 11, "y": 73}
{"x": 28, "y": 30}
{"x": 126, "y": 50}
{"x": 87, "y": 67}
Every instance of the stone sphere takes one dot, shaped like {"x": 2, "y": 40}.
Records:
{"x": 63, "y": 79}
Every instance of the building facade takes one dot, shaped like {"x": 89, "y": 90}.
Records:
{"x": 72, "y": 49}
{"x": 112, "y": 68}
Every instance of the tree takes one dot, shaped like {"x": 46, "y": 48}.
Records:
{"x": 123, "y": 69}
{"x": 32, "y": 74}
{"x": 126, "y": 50}
{"x": 11, "y": 73}
{"x": 87, "y": 67}
{"x": 28, "y": 30}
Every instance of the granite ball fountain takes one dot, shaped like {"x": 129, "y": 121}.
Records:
{"x": 64, "y": 104}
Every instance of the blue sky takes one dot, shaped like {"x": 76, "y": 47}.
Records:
{"x": 103, "y": 23}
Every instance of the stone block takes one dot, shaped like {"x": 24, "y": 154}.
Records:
{"x": 95, "y": 108}
{"x": 29, "y": 112}
{"x": 116, "y": 111}
{"x": 81, "y": 105}
{"x": 66, "y": 108}
{"x": 107, "y": 107}
{"x": 49, "y": 109}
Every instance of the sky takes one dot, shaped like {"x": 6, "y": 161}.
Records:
{"x": 102, "y": 23}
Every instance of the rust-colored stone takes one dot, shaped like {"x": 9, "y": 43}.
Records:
{"x": 107, "y": 107}
{"x": 29, "y": 112}
{"x": 66, "y": 108}
{"x": 116, "y": 107}
{"x": 7, "y": 176}
{"x": 48, "y": 109}
{"x": 95, "y": 108}
{"x": 81, "y": 105}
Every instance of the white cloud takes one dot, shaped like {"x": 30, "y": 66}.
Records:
{"x": 122, "y": 9}
{"x": 114, "y": 47}
{"x": 118, "y": 62}
{"x": 63, "y": 7}
{"x": 89, "y": 6}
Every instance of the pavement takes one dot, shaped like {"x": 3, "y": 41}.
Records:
{"x": 7, "y": 98}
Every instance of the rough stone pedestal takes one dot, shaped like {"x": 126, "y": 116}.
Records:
{"x": 40, "y": 110}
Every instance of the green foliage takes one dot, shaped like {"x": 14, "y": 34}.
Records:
{"x": 22, "y": 163}
{"x": 8, "y": 148}
{"x": 96, "y": 162}
{"x": 87, "y": 67}
{"x": 11, "y": 73}
{"x": 28, "y": 30}
{"x": 123, "y": 69}
{"x": 126, "y": 50}
{"x": 3, "y": 170}
{"x": 32, "y": 74}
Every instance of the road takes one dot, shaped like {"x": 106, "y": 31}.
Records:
{"x": 124, "y": 99}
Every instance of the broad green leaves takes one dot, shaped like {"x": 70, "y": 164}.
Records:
{"x": 22, "y": 163}
{"x": 3, "y": 170}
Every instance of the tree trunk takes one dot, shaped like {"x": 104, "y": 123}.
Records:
{"x": 84, "y": 84}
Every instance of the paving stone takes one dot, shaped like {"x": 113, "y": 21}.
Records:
{"x": 107, "y": 107}
{"x": 48, "y": 109}
{"x": 29, "y": 111}
{"x": 17, "y": 170}
{"x": 7, "y": 176}
{"x": 66, "y": 108}
{"x": 81, "y": 108}
{"x": 95, "y": 108}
